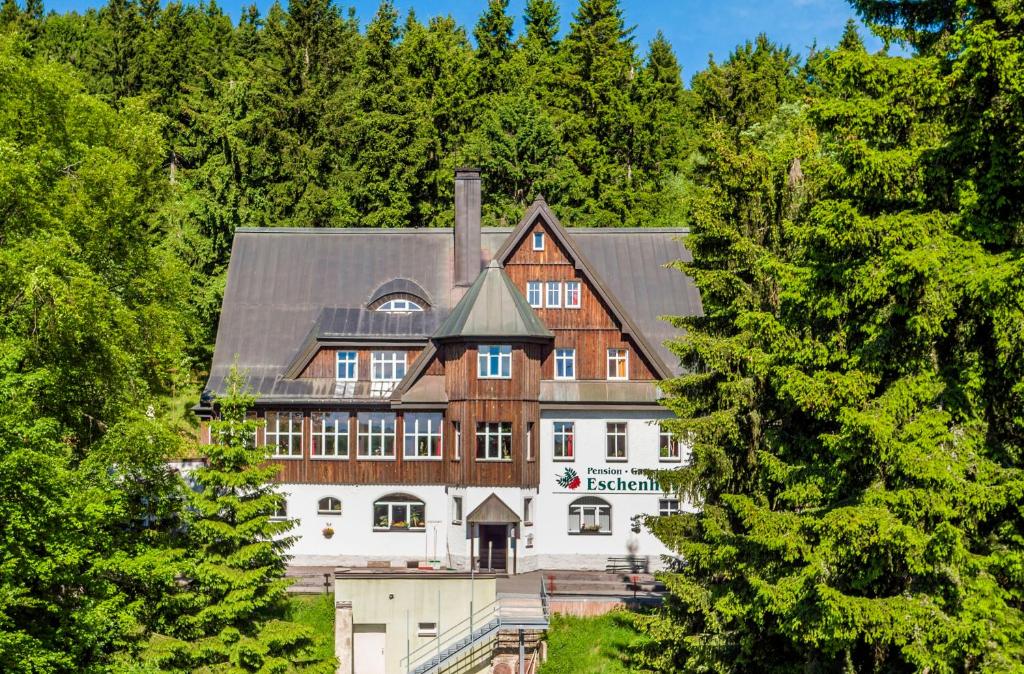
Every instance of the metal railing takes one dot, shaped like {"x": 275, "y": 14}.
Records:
{"x": 431, "y": 655}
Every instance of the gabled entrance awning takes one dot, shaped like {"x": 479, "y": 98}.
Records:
{"x": 493, "y": 511}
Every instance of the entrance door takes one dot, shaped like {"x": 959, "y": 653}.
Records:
{"x": 493, "y": 555}
{"x": 368, "y": 643}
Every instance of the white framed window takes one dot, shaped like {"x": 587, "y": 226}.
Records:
{"x": 494, "y": 361}
{"x": 565, "y": 436}
{"x": 668, "y": 506}
{"x": 348, "y": 366}
{"x": 457, "y": 435}
{"x": 329, "y": 433}
{"x": 423, "y": 435}
{"x": 376, "y": 433}
{"x": 615, "y": 437}
{"x": 281, "y": 513}
{"x": 538, "y": 240}
{"x": 387, "y": 365}
{"x": 590, "y": 515}
{"x": 284, "y": 433}
{"x": 494, "y": 441}
{"x": 565, "y": 363}
{"x": 426, "y": 629}
{"x": 554, "y": 294}
{"x": 328, "y": 505}
{"x": 618, "y": 364}
{"x": 572, "y": 294}
{"x": 668, "y": 447}
{"x": 528, "y": 512}
{"x": 456, "y": 510}
{"x": 399, "y": 306}
{"x": 533, "y": 294}
{"x": 399, "y": 512}
{"x": 529, "y": 441}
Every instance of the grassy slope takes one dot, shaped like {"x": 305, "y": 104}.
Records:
{"x": 317, "y": 612}
{"x": 598, "y": 645}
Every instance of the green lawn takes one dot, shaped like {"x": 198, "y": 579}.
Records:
{"x": 598, "y": 645}
{"x": 317, "y": 612}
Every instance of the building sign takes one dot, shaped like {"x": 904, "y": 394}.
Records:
{"x": 606, "y": 480}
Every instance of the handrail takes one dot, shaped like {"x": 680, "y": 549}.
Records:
{"x": 544, "y": 599}
{"x": 452, "y": 634}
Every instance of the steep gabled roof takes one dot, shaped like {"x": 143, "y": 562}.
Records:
{"x": 493, "y": 307}
{"x": 539, "y": 210}
{"x": 493, "y": 511}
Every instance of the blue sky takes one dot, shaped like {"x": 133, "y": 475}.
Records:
{"x": 694, "y": 27}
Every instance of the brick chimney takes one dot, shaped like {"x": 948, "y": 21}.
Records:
{"x": 467, "y": 226}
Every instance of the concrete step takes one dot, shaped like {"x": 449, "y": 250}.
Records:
{"x": 596, "y": 576}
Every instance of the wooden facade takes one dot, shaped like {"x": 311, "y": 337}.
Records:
{"x": 324, "y": 362}
{"x": 591, "y": 329}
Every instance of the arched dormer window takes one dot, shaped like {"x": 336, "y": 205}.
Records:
{"x": 328, "y": 505}
{"x": 590, "y": 515}
{"x": 399, "y": 512}
{"x": 400, "y": 295}
{"x": 399, "y": 306}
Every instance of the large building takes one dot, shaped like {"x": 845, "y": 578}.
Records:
{"x": 437, "y": 395}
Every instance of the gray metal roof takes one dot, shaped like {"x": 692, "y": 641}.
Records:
{"x": 340, "y": 322}
{"x": 598, "y": 392}
{"x": 634, "y": 265}
{"x": 281, "y": 281}
{"x": 493, "y": 307}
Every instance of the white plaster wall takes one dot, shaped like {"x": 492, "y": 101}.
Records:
{"x": 355, "y": 542}
{"x": 556, "y": 548}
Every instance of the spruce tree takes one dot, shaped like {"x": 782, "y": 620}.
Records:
{"x": 234, "y": 594}
{"x": 849, "y": 497}
{"x": 599, "y": 70}
{"x": 387, "y": 142}
{"x": 9, "y": 13}
{"x": 542, "y": 24}
{"x": 494, "y": 47}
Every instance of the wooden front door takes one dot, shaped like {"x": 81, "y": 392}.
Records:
{"x": 493, "y": 550}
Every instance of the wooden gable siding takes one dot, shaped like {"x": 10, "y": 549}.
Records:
{"x": 462, "y": 382}
{"x": 591, "y": 329}
{"x": 324, "y": 362}
{"x": 472, "y": 400}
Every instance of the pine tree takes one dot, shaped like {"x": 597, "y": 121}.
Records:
{"x": 237, "y": 559}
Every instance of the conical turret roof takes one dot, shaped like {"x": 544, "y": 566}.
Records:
{"x": 493, "y": 307}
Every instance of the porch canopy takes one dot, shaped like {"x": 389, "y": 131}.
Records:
{"x": 493, "y": 511}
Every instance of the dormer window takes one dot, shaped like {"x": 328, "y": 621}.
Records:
{"x": 538, "y": 240}
{"x": 399, "y": 306}
{"x": 348, "y": 366}
{"x": 387, "y": 366}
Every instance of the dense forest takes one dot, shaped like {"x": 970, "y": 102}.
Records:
{"x": 855, "y": 402}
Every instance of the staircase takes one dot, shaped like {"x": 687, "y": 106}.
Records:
{"x": 498, "y": 622}
{"x": 452, "y": 652}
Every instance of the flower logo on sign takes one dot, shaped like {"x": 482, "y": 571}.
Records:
{"x": 569, "y": 479}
